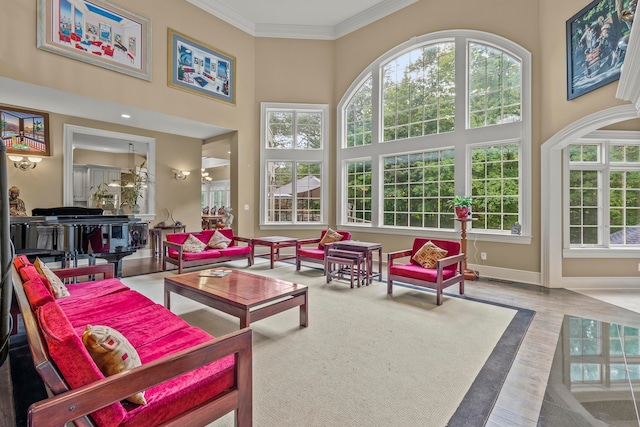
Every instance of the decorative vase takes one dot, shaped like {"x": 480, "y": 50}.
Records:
{"x": 135, "y": 209}
{"x": 462, "y": 211}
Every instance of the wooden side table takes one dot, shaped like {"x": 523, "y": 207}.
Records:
{"x": 367, "y": 249}
{"x": 468, "y": 274}
{"x": 155, "y": 235}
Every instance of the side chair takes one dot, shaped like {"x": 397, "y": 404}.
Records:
{"x": 314, "y": 250}
{"x": 446, "y": 269}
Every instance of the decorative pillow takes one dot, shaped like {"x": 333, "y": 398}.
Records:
{"x": 113, "y": 354}
{"x": 193, "y": 244}
{"x": 57, "y": 287}
{"x": 21, "y": 261}
{"x": 218, "y": 241}
{"x": 329, "y": 237}
{"x": 429, "y": 254}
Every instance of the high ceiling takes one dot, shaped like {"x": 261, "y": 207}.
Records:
{"x": 303, "y": 19}
{"x": 327, "y": 19}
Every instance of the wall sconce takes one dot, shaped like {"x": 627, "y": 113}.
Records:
{"x": 25, "y": 163}
{"x": 205, "y": 177}
{"x": 181, "y": 175}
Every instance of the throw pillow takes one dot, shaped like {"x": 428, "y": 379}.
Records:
{"x": 57, "y": 286}
{"x": 329, "y": 237}
{"x": 112, "y": 353}
{"x": 218, "y": 241}
{"x": 193, "y": 244}
{"x": 429, "y": 254}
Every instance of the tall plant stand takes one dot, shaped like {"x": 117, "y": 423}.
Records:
{"x": 468, "y": 274}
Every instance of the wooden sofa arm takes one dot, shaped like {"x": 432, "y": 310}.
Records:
{"x": 302, "y": 242}
{"x": 167, "y": 244}
{"x": 73, "y": 404}
{"x": 246, "y": 240}
{"x": 107, "y": 270}
{"x": 453, "y": 259}
{"x": 397, "y": 254}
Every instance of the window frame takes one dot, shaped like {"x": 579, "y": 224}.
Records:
{"x": 604, "y": 250}
{"x": 464, "y": 136}
{"x": 295, "y": 155}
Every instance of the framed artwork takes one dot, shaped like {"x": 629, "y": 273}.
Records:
{"x": 93, "y": 31}
{"x": 198, "y": 68}
{"x": 597, "y": 38}
{"x": 25, "y": 132}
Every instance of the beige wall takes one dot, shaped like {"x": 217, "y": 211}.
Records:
{"x": 286, "y": 70}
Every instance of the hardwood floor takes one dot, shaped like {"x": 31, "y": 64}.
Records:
{"x": 521, "y": 398}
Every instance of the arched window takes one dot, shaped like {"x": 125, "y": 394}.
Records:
{"x": 441, "y": 115}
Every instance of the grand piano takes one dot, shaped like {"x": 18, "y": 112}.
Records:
{"x": 68, "y": 234}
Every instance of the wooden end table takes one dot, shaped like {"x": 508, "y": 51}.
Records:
{"x": 275, "y": 243}
{"x": 238, "y": 293}
{"x": 367, "y": 249}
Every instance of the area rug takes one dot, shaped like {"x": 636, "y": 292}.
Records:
{"x": 366, "y": 359}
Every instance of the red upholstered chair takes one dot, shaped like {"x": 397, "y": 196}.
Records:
{"x": 448, "y": 270}
{"x": 310, "y": 250}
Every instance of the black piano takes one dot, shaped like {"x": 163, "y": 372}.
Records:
{"x": 67, "y": 234}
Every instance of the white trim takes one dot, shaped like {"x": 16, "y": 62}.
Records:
{"x": 69, "y": 132}
{"x": 506, "y": 274}
{"x": 551, "y": 251}
{"x": 312, "y": 32}
{"x": 294, "y": 155}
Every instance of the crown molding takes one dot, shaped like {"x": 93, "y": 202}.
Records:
{"x": 314, "y": 32}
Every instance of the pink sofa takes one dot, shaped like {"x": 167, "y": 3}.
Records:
{"x": 187, "y": 375}
{"x": 173, "y": 253}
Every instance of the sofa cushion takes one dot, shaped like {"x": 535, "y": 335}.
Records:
{"x": 233, "y": 251}
{"x": 37, "y": 293}
{"x": 428, "y": 255}
{"x": 311, "y": 253}
{"x": 20, "y": 261}
{"x": 177, "y": 395}
{"x": 57, "y": 287}
{"x": 29, "y": 272}
{"x": 73, "y": 360}
{"x": 329, "y": 236}
{"x": 418, "y": 272}
{"x": 206, "y": 254}
{"x": 452, "y": 247}
{"x": 193, "y": 244}
{"x": 113, "y": 353}
{"x": 94, "y": 289}
{"x": 144, "y": 325}
{"x": 218, "y": 241}
{"x": 87, "y": 312}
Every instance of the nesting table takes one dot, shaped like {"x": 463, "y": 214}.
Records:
{"x": 367, "y": 249}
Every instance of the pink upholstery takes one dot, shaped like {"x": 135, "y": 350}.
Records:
{"x": 21, "y": 261}
{"x": 95, "y": 289}
{"x": 208, "y": 255}
{"x": 317, "y": 253}
{"x": 73, "y": 360}
{"x": 448, "y": 271}
{"x": 37, "y": 293}
{"x": 82, "y": 313}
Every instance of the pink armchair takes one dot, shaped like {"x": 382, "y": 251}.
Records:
{"x": 316, "y": 253}
{"x": 448, "y": 270}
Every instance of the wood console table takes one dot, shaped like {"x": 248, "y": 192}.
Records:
{"x": 468, "y": 274}
{"x": 155, "y": 235}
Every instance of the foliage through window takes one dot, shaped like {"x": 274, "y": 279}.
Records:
{"x": 426, "y": 144}
{"x": 294, "y": 161}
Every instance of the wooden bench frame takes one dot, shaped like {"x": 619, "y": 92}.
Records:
{"x": 74, "y": 405}
{"x": 181, "y": 263}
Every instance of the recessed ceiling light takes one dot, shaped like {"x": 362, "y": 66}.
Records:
{"x": 125, "y": 116}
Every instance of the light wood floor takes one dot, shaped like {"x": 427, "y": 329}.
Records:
{"x": 521, "y": 397}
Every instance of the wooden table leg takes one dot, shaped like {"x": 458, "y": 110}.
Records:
{"x": 245, "y": 319}
{"x": 304, "y": 314}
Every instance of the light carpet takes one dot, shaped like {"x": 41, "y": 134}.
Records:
{"x": 366, "y": 359}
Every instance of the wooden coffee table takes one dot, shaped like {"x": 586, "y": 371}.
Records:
{"x": 238, "y": 293}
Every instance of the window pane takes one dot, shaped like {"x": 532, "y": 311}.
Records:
{"x": 359, "y": 191}
{"x": 418, "y": 92}
{"x": 358, "y": 114}
{"x": 495, "y": 186}
{"x": 309, "y": 131}
{"x": 417, "y": 188}
{"x": 494, "y": 86}
{"x": 624, "y": 210}
{"x": 280, "y": 129}
{"x": 279, "y": 203}
{"x": 308, "y": 190}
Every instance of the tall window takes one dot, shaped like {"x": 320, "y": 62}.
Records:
{"x": 449, "y": 115}
{"x": 294, "y": 164}
{"x": 603, "y": 188}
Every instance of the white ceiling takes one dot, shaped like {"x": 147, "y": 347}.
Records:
{"x": 328, "y": 19}
{"x": 304, "y": 19}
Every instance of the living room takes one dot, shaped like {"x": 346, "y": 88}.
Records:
{"x": 321, "y": 72}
